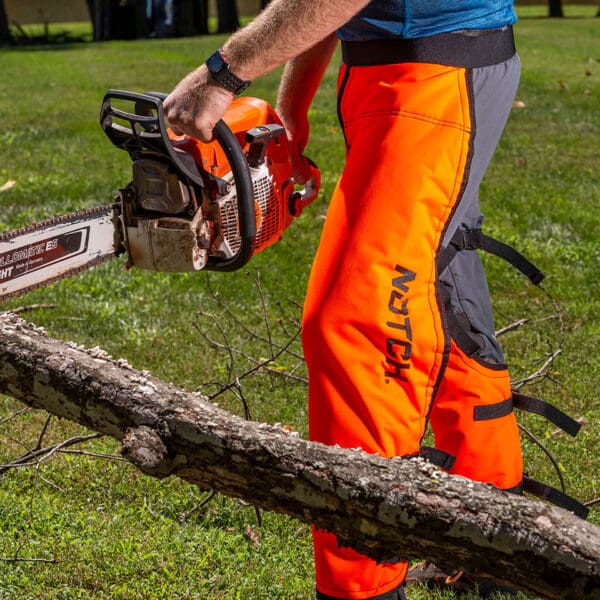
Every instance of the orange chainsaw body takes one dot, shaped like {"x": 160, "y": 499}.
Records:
{"x": 273, "y": 189}
{"x": 193, "y": 205}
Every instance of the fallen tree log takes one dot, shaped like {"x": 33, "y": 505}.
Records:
{"x": 383, "y": 508}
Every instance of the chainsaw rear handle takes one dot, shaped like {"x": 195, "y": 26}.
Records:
{"x": 147, "y": 135}
{"x": 301, "y": 198}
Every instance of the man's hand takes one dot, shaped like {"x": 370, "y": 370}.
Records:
{"x": 196, "y": 104}
{"x": 297, "y": 130}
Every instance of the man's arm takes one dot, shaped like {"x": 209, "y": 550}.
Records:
{"x": 283, "y": 31}
{"x": 301, "y": 78}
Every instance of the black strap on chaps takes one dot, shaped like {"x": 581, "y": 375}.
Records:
{"x": 551, "y": 494}
{"x": 475, "y": 239}
{"x": 437, "y": 457}
{"x": 547, "y": 410}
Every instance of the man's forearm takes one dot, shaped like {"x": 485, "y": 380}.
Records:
{"x": 299, "y": 82}
{"x": 302, "y": 76}
{"x": 284, "y": 30}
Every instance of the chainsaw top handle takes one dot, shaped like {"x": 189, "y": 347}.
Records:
{"x": 147, "y": 136}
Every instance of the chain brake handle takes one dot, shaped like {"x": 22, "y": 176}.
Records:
{"x": 147, "y": 135}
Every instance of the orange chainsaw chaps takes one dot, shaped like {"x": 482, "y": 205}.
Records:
{"x": 359, "y": 579}
{"x": 472, "y": 420}
{"x": 375, "y": 340}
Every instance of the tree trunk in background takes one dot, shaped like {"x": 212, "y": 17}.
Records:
{"x": 555, "y": 8}
{"x": 101, "y": 16}
{"x": 141, "y": 27}
{"x": 190, "y": 17}
{"x": 201, "y": 16}
{"x": 227, "y": 14}
{"x": 4, "y": 29}
{"x": 115, "y": 20}
{"x": 384, "y": 508}
{"x": 127, "y": 20}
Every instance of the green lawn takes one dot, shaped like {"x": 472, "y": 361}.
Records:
{"x": 113, "y": 533}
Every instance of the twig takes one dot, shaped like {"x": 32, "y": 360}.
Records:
{"x": 252, "y": 370}
{"x": 39, "y": 455}
{"x": 43, "y": 433}
{"x": 294, "y": 322}
{"x": 231, "y": 350}
{"x": 541, "y": 372}
{"x": 240, "y": 392}
{"x": 511, "y": 327}
{"x": 184, "y": 515}
{"x": 227, "y": 346}
{"x": 16, "y": 414}
{"x": 20, "y": 309}
{"x": 256, "y": 280}
{"x": 558, "y": 313}
{"x": 102, "y": 455}
{"x": 32, "y": 560}
{"x": 547, "y": 452}
{"x": 241, "y": 324}
{"x": 47, "y": 481}
{"x": 147, "y": 507}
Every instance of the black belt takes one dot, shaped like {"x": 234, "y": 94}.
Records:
{"x": 469, "y": 49}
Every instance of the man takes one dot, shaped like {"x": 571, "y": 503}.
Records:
{"x": 397, "y": 327}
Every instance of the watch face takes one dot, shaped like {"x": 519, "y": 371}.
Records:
{"x": 215, "y": 63}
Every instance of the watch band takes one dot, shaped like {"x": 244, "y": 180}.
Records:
{"x": 221, "y": 72}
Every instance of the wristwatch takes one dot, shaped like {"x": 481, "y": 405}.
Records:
{"x": 219, "y": 68}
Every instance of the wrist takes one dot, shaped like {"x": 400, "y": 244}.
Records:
{"x": 221, "y": 72}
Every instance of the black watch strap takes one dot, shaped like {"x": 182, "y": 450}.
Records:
{"x": 220, "y": 71}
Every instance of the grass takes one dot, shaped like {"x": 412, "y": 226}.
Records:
{"x": 113, "y": 533}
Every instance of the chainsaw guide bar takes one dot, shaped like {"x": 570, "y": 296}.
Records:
{"x": 42, "y": 253}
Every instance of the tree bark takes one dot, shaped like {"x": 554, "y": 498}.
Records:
{"x": 383, "y": 508}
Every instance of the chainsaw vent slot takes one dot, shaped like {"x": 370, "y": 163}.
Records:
{"x": 267, "y": 208}
{"x": 228, "y": 240}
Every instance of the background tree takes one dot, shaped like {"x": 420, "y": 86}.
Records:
{"x": 555, "y": 8}
{"x": 4, "y": 30}
{"x": 227, "y": 14}
{"x": 116, "y": 19}
{"x": 99, "y": 15}
{"x": 190, "y": 17}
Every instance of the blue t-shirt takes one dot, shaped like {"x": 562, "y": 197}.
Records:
{"x": 421, "y": 18}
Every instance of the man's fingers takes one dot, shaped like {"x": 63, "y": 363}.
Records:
{"x": 301, "y": 171}
{"x": 175, "y": 129}
{"x": 204, "y": 130}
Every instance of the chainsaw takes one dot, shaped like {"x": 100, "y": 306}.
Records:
{"x": 189, "y": 206}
